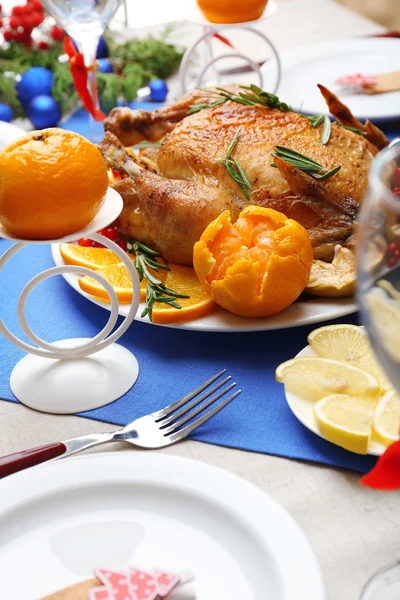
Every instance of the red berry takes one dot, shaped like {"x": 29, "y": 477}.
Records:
{"x": 396, "y": 254}
{"x": 8, "y": 35}
{"x": 121, "y": 244}
{"x": 111, "y": 233}
{"x": 37, "y": 5}
{"x": 15, "y": 22}
{"x": 393, "y": 247}
{"x": 36, "y": 18}
{"x": 85, "y": 242}
{"x": 396, "y": 191}
{"x": 43, "y": 45}
{"x": 17, "y": 11}
{"x": 98, "y": 245}
{"x": 1, "y": 23}
{"x": 26, "y": 21}
{"x": 391, "y": 261}
{"x": 57, "y": 33}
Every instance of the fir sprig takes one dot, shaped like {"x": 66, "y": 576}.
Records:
{"x": 234, "y": 168}
{"x": 304, "y": 163}
{"x": 146, "y": 263}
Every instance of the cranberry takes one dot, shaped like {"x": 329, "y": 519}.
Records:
{"x": 85, "y": 242}
{"x": 15, "y": 22}
{"x": 121, "y": 244}
{"x": 391, "y": 261}
{"x": 393, "y": 247}
{"x": 37, "y": 5}
{"x": 396, "y": 190}
{"x": 98, "y": 245}
{"x": 17, "y": 11}
{"x": 8, "y": 35}
{"x": 36, "y": 18}
{"x": 43, "y": 45}
{"x": 57, "y": 33}
{"x": 111, "y": 233}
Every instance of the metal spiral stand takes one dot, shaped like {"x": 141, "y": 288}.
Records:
{"x": 60, "y": 377}
{"x": 210, "y": 30}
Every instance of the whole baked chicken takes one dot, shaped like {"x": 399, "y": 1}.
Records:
{"x": 173, "y": 193}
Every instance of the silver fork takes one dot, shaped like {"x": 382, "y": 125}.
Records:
{"x": 161, "y": 428}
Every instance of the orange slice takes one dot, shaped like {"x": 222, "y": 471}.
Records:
{"x": 184, "y": 281}
{"x": 92, "y": 258}
{"x": 119, "y": 278}
{"x": 180, "y": 279}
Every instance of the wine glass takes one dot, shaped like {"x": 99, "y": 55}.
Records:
{"x": 378, "y": 262}
{"x": 85, "y": 22}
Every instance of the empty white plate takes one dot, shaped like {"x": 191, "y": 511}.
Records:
{"x": 306, "y": 66}
{"x": 60, "y": 520}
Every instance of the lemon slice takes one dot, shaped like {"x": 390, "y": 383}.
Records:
{"x": 349, "y": 344}
{"x": 314, "y": 378}
{"x": 346, "y": 421}
{"x": 386, "y": 422}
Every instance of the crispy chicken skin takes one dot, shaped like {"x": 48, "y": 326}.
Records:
{"x": 192, "y": 186}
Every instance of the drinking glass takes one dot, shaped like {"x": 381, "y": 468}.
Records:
{"x": 85, "y": 22}
{"x": 378, "y": 260}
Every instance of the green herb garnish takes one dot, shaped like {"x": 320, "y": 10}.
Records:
{"x": 304, "y": 163}
{"x": 252, "y": 96}
{"x": 234, "y": 168}
{"x": 148, "y": 144}
{"x": 145, "y": 259}
{"x": 353, "y": 129}
{"x": 316, "y": 121}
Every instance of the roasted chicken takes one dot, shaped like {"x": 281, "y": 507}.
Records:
{"x": 170, "y": 198}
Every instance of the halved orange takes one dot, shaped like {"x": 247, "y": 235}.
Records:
{"x": 92, "y": 258}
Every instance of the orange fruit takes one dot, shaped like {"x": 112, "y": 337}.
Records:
{"x": 53, "y": 184}
{"x": 92, "y": 258}
{"x": 257, "y": 266}
{"x": 119, "y": 278}
{"x": 181, "y": 279}
{"x": 232, "y": 11}
{"x": 184, "y": 281}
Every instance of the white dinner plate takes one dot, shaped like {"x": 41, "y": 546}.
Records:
{"x": 303, "y": 410}
{"x": 306, "y": 66}
{"x": 305, "y": 312}
{"x": 9, "y": 133}
{"x": 61, "y": 520}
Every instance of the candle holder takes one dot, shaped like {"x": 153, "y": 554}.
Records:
{"x": 78, "y": 374}
{"x": 210, "y": 30}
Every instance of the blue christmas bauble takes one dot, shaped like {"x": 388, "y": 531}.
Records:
{"x": 34, "y": 82}
{"x": 104, "y": 65}
{"x": 6, "y": 114}
{"x": 44, "y": 112}
{"x": 102, "y": 49}
{"x": 158, "y": 90}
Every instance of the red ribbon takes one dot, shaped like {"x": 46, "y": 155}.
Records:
{"x": 386, "y": 473}
{"x": 224, "y": 40}
{"x": 80, "y": 76}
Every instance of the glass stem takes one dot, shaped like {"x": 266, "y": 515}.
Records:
{"x": 88, "y": 47}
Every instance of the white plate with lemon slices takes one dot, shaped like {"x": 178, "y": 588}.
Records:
{"x": 362, "y": 407}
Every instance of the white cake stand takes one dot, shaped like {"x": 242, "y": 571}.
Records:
{"x": 77, "y": 374}
{"x": 194, "y": 15}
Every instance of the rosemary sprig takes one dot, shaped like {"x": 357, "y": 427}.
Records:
{"x": 251, "y": 96}
{"x": 304, "y": 163}
{"x": 354, "y": 129}
{"x": 234, "y": 168}
{"x": 148, "y": 144}
{"x": 145, "y": 259}
{"x": 316, "y": 121}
